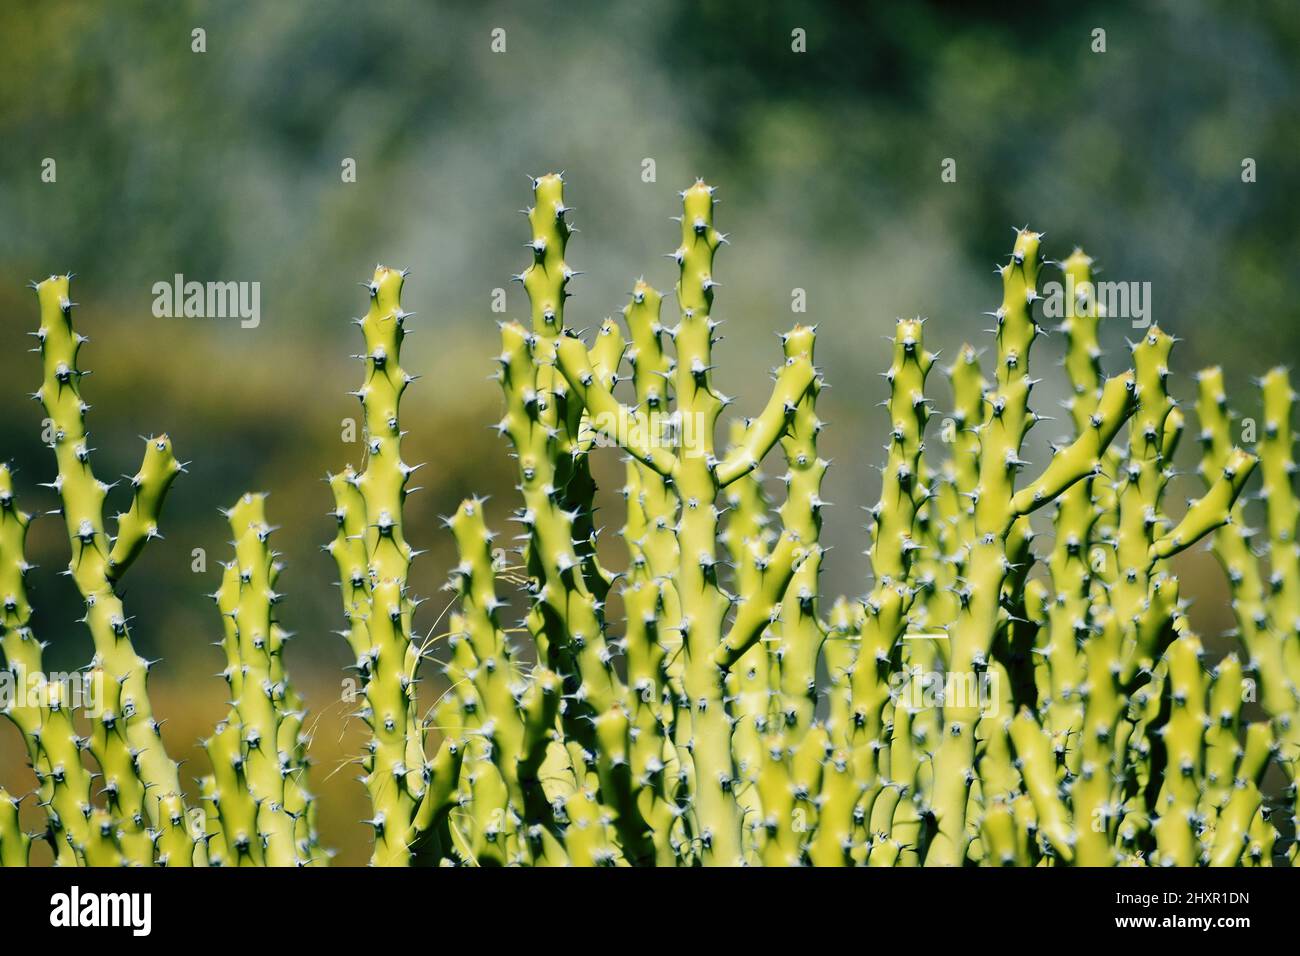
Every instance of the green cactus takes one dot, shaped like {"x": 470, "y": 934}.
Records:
{"x": 407, "y": 790}
{"x": 981, "y": 704}
{"x": 257, "y": 796}
{"x": 136, "y": 813}
{"x": 53, "y": 745}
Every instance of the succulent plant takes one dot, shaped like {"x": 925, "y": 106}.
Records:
{"x": 984, "y": 702}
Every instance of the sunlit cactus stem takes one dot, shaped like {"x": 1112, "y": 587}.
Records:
{"x": 546, "y": 427}
{"x": 374, "y": 558}
{"x": 49, "y": 734}
{"x": 128, "y": 739}
{"x": 15, "y": 845}
{"x": 260, "y": 788}
{"x": 698, "y": 477}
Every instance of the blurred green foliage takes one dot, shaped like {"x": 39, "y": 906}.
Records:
{"x": 225, "y": 165}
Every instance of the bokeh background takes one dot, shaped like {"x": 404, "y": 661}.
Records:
{"x": 225, "y": 165}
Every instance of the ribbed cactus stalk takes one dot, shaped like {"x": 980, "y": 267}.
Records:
{"x": 551, "y": 441}
{"x": 1276, "y": 452}
{"x": 708, "y": 646}
{"x": 653, "y": 609}
{"x": 1080, "y": 697}
{"x": 891, "y": 794}
{"x": 508, "y": 714}
{"x": 1232, "y": 545}
{"x": 1000, "y": 531}
{"x": 1277, "y": 465}
{"x": 53, "y": 744}
{"x": 14, "y": 843}
{"x": 1264, "y": 606}
{"x": 1069, "y": 604}
{"x": 140, "y": 780}
{"x": 1108, "y": 622}
{"x": 258, "y": 793}
{"x": 373, "y": 560}
{"x": 753, "y": 683}
{"x": 800, "y": 633}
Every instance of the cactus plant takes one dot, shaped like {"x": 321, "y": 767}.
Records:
{"x": 259, "y": 807}
{"x": 985, "y": 702}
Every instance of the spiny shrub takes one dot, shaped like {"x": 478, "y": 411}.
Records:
{"x": 131, "y": 810}
{"x": 985, "y": 702}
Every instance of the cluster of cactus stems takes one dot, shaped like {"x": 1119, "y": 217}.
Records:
{"x": 131, "y": 808}
{"x": 987, "y": 701}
